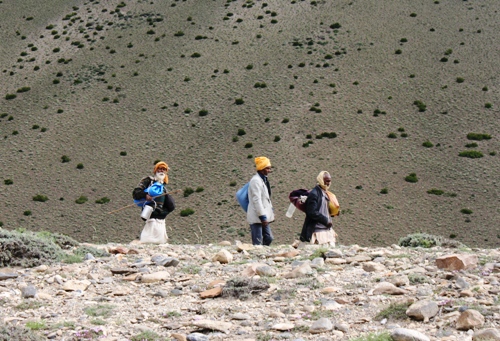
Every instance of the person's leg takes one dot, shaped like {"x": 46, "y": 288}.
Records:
{"x": 256, "y": 231}
{"x": 267, "y": 235}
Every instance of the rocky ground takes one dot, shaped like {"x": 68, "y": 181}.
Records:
{"x": 234, "y": 291}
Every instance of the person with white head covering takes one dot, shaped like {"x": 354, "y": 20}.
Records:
{"x": 321, "y": 207}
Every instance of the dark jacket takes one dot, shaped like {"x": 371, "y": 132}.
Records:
{"x": 164, "y": 204}
{"x": 313, "y": 204}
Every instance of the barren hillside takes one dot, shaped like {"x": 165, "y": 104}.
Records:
{"x": 93, "y": 92}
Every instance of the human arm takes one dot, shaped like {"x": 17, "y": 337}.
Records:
{"x": 138, "y": 192}
{"x": 255, "y": 189}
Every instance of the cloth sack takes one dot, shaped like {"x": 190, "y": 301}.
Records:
{"x": 154, "y": 232}
{"x": 298, "y": 197}
{"x": 242, "y": 197}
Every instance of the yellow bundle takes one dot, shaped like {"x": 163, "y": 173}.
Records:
{"x": 333, "y": 204}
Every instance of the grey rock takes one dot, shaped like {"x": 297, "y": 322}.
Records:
{"x": 320, "y": 326}
{"x": 197, "y": 337}
{"x": 176, "y": 292}
{"x": 333, "y": 254}
{"x": 403, "y": 334}
{"x": 462, "y": 283}
{"x": 317, "y": 262}
{"x": 265, "y": 271}
{"x": 298, "y": 263}
{"x": 161, "y": 260}
{"x": 343, "y": 327}
{"x": 489, "y": 334}
{"x": 423, "y": 310}
{"x": 89, "y": 256}
{"x": 4, "y": 276}
{"x": 28, "y": 292}
{"x": 161, "y": 293}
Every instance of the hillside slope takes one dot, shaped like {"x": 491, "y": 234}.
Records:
{"x": 114, "y": 86}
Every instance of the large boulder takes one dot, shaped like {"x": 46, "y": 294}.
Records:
{"x": 457, "y": 262}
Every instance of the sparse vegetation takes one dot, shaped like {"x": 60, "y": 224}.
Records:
{"x": 40, "y": 198}
{"x": 471, "y": 154}
{"x": 81, "y": 200}
{"x": 478, "y": 136}
{"x": 411, "y": 178}
{"x": 186, "y": 212}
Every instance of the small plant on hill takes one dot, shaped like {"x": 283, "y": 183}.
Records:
{"x": 248, "y": 145}
{"x": 412, "y": 177}
{"x": 147, "y": 336}
{"x": 40, "y": 198}
{"x": 488, "y": 105}
{"x": 203, "y": 112}
{"x": 10, "y": 96}
{"x": 428, "y": 144}
{"x": 395, "y": 311}
{"x": 199, "y": 189}
{"x": 36, "y": 325}
{"x": 99, "y": 310}
{"x": 241, "y": 132}
{"x": 81, "y": 200}
{"x": 383, "y": 336}
{"x": 79, "y": 166}
{"x": 420, "y": 105}
{"x": 186, "y": 212}
{"x": 239, "y": 101}
{"x": 8, "y": 181}
{"x": 384, "y": 191}
{"x": 465, "y": 211}
{"x": 65, "y": 159}
{"x": 435, "y": 191}
{"x": 420, "y": 240}
{"x": 103, "y": 200}
{"x": 472, "y": 154}
{"x": 188, "y": 191}
{"x": 478, "y": 136}
{"x": 392, "y": 135}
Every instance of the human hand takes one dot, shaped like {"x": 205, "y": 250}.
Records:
{"x": 149, "y": 198}
{"x": 265, "y": 223}
{"x": 329, "y": 224}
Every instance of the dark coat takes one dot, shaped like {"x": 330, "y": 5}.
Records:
{"x": 164, "y": 206}
{"x": 313, "y": 204}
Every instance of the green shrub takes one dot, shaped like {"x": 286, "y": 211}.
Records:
{"x": 335, "y": 26}
{"x": 61, "y": 240}
{"x": 81, "y": 200}
{"x": 277, "y": 138}
{"x": 392, "y": 135}
{"x": 285, "y": 120}
{"x": 27, "y": 249}
{"x": 384, "y": 191}
{"x": 395, "y": 311}
{"x": 123, "y": 153}
{"x": 398, "y": 51}
{"x": 420, "y": 240}
{"x": 428, "y": 144}
{"x": 65, "y": 159}
{"x": 27, "y": 213}
{"x": 186, "y": 212}
{"x": 420, "y": 105}
{"x": 435, "y": 191}
{"x": 241, "y": 132}
{"x": 188, "y": 191}
{"x": 99, "y": 310}
{"x": 465, "y": 211}
{"x": 103, "y": 200}
{"x": 82, "y": 251}
{"x": 249, "y": 67}
{"x": 24, "y": 89}
{"x": 472, "y": 154}
{"x": 488, "y": 105}
{"x": 471, "y": 145}
{"x": 199, "y": 189}
{"x": 412, "y": 177}
{"x": 196, "y": 55}
{"x": 9, "y": 332}
{"x": 147, "y": 335}
{"x": 40, "y": 198}
{"x": 248, "y": 145}
{"x": 382, "y": 336}
{"x": 239, "y": 101}
{"x": 478, "y": 136}
{"x": 79, "y": 166}
{"x": 203, "y": 112}
{"x": 10, "y": 96}
{"x": 8, "y": 181}
{"x": 460, "y": 80}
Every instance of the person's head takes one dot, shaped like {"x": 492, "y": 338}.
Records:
{"x": 263, "y": 165}
{"x": 160, "y": 172}
{"x": 324, "y": 180}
